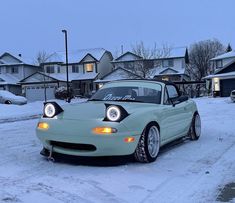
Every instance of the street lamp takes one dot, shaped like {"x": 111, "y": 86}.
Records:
{"x": 67, "y": 66}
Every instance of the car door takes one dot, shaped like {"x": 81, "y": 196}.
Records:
{"x": 173, "y": 115}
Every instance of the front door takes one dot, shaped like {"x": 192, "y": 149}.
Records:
{"x": 174, "y": 116}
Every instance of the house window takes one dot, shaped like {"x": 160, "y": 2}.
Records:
{"x": 129, "y": 65}
{"x": 50, "y": 69}
{"x": 89, "y": 67}
{"x": 168, "y": 63}
{"x": 219, "y": 64}
{"x": 14, "y": 70}
{"x": 75, "y": 68}
{"x": 58, "y": 69}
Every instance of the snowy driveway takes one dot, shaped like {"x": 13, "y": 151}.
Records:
{"x": 188, "y": 172}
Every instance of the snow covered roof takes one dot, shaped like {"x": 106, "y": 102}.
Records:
{"x": 13, "y": 59}
{"x": 76, "y": 56}
{"x": 166, "y": 71}
{"x": 74, "y": 76}
{"x": 58, "y": 77}
{"x": 128, "y": 56}
{"x": 177, "y": 52}
{"x": 119, "y": 74}
{"x": 222, "y": 75}
{"x": 8, "y": 79}
{"x": 230, "y": 54}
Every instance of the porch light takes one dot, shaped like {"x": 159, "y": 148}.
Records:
{"x": 100, "y": 85}
{"x": 216, "y": 84}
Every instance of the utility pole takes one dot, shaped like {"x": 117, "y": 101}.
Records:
{"x": 67, "y": 65}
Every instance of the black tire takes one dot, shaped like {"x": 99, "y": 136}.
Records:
{"x": 142, "y": 153}
{"x": 195, "y": 130}
{"x": 8, "y": 102}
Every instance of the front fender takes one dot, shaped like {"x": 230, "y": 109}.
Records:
{"x": 137, "y": 121}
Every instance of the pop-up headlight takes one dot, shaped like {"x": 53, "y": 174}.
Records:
{"x": 115, "y": 113}
{"x": 51, "y": 109}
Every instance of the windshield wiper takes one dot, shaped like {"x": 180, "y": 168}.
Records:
{"x": 128, "y": 100}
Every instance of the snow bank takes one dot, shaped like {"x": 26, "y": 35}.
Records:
{"x": 27, "y": 111}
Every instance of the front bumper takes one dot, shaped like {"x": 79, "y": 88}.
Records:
{"x": 80, "y": 132}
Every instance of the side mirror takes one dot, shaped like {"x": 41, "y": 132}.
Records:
{"x": 179, "y": 100}
{"x": 183, "y": 98}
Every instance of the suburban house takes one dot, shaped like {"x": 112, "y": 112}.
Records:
{"x": 223, "y": 79}
{"x": 85, "y": 66}
{"x": 12, "y": 70}
{"x": 171, "y": 66}
{"x": 117, "y": 74}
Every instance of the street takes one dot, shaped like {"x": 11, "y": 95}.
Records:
{"x": 187, "y": 172}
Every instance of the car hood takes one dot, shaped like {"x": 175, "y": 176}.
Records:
{"x": 96, "y": 109}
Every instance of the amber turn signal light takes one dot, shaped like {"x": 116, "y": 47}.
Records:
{"x": 129, "y": 139}
{"x": 104, "y": 130}
{"x": 43, "y": 125}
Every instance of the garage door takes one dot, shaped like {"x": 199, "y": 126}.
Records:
{"x": 38, "y": 93}
{"x": 227, "y": 86}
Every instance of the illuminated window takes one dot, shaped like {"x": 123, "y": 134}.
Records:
{"x": 165, "y": 78}
{"x": 89, "y": 67}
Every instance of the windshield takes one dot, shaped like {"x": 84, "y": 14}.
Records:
{"x": 5, "y": 93}
{"x": 129, "y": 94}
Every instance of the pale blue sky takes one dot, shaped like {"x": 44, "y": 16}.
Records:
{"x": 28, "y": 26}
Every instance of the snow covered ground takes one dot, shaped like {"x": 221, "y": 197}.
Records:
{"x": 27, "y": 111}
{"x": 187, "y": 172}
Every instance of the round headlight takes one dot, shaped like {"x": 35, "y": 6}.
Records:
{"x": 49, "y": 110}
{"x": 113, "y": 113}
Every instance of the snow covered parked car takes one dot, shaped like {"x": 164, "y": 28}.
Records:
{"x": 232, "y": 95}
{"x": 7, "y": 97}
{"x": 123, "y": 117}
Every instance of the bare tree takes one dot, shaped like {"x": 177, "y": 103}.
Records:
{"x": 200, "y": 54}
{"x": 150, "y": 57}
{"x": 41, "y": 57}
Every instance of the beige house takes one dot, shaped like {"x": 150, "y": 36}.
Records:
{"x": 85, "y": 66}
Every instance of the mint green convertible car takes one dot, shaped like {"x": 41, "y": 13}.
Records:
{"x": 122, "y": 118}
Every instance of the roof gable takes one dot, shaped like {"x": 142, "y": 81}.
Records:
{"x": 7, "y": 58}
{"x": 128, "y": 56}
{"x": 88, "y": 58}
{"x": 76, "y": 56}
{"x": 168, "y": 71}
{"x": 119, "y": 74}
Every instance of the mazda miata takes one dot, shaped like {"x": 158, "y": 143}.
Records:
{"x": 122, "y": 118}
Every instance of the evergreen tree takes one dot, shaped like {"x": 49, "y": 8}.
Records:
{"x": 229, "y": 48}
